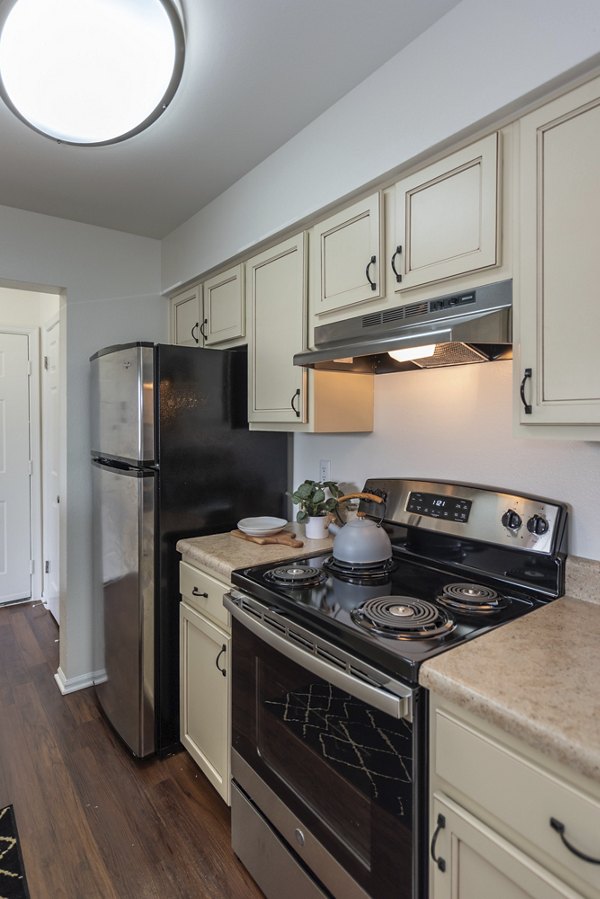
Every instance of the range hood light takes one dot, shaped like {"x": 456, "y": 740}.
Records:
{"x": 413, "y": 352}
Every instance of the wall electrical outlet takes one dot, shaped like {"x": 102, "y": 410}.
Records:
{"x": 325, "y": 470}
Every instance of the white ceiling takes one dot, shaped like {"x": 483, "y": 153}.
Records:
{"x": 256, "y": 72}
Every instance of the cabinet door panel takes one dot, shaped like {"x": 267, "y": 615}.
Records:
{"x": 342, "y": 249}
{"x": 205, "y": 697}
{"x": 480, "y": 863}
{"x": 276, "y": 285}
{"x": 185, "y": 319}
{"x": 560, "y": 216}
{"x": 521, "y": 795}
{"x": 446, "y": 216}
{"x": 224, "y": 307}
{"x": 444, "y": 219}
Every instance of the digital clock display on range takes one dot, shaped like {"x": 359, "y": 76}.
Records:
{"x": 434, "y": 505}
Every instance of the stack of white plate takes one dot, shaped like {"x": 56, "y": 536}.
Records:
{"x": 263, "y": 526}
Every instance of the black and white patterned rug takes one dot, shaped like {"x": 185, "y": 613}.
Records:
{"x": 13, "y": 884}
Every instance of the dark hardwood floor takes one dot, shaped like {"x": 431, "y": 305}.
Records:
{"x": 94, "y": 823}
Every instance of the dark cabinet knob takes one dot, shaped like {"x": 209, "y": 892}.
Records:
{"x": 512, "y": 520}
{"x": 537, "y": 524}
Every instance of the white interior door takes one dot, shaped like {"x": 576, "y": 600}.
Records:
{"x": 51, "y": 466}
{"x": 15, "y": 469}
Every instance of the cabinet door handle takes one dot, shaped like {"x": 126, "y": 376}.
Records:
{"x": 559, "y": 827}
{"x": 297, "y": 411}
{"x": 527, "y": 406}
{"x": 397, "y": 252}
{"x": 202, "y": 331}
{"x": 371, "y": 262}
{"x": 440, "y": 862}
{"x": 222, "y": 670}
{"x": 195, "y": 336}
{"x": 196, "y": 592}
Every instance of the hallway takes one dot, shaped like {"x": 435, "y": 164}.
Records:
{"x": 93, "y": 822}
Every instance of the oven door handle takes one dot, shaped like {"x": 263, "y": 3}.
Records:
{"x": 381, "y": 699}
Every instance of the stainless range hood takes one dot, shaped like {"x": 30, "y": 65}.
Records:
{"x": 467, "y": 327}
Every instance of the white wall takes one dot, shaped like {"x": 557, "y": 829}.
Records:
{"x": 112, "y": 285}
{"x": 456, "y": 424}
{"x": 484, "y": 55}
{"x": 26, "y": 309}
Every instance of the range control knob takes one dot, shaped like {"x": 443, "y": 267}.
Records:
{"x": 537, "y": 524}
{"x": 512, "y": 520}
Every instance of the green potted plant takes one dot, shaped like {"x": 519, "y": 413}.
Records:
{"x": 316, "y": 499}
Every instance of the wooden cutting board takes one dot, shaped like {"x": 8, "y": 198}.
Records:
{"x": 283, "y": 537}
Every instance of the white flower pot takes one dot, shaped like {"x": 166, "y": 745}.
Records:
{"x": 316, "y": 527}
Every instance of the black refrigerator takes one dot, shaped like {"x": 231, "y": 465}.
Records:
{"x": 172, "y": 457}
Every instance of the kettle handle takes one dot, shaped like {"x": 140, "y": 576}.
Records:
{"x": 372, "y": 497}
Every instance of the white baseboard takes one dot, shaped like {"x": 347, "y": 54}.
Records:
{"x": 72, "y": 684}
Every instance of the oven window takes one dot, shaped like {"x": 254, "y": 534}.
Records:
{"x": 344, "y": 768}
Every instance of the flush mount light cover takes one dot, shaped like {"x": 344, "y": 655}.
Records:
{"x": 89, "y": 72}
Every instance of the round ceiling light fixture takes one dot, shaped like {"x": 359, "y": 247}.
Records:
{"x": 90, "y": 72}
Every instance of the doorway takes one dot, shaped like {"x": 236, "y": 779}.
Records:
{"x": 29, "y": 447}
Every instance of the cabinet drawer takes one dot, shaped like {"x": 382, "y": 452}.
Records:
{"x": 204, "y": 593}
{"x": 520, "y": 794}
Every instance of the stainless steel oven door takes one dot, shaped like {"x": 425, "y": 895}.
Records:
{"x": 332, "y": 753}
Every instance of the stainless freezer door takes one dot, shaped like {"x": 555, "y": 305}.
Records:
{"x": 122, "y": 403}
{"x": 124, "y": 501}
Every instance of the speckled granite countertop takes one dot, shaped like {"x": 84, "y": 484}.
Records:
{"x": 222, "y": 553}
{"x": 538, "y": 678}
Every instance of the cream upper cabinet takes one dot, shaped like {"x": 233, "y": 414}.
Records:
{"x": 276, "y": 300}
{"x": 345, "y": 258}
{"x": 211, "y": 314}
{"x": 282, "y": 396}
{"x": 557, "y": 313}
{"x": 446, "y": 217}
{"x": 496, "y": 811}
{"x": 186, "y": 318}
{"x": 224, "y": 307}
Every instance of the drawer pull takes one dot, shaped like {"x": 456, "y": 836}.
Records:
{"x": 222, "y": 670}
{"x": 371, "y": 262}
{"x": 440, "y": 862}
{"x": 297, "y": 411}
{"x": 196, "y": 592}
{"x": 559, "y": 827}
{"x": 393, "y": 263}
{"x": 527, "y": 406}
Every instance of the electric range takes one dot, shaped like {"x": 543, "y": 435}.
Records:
{"x": 330, "y": 742}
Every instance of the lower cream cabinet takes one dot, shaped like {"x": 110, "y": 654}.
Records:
{"x": 475, "y": 862}
{"x": 205, "y": 687}
{"x": 493, "y": 799}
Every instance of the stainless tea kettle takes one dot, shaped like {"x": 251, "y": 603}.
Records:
{"x": 361, "y": 541}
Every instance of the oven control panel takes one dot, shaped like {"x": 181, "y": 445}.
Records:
{"x": 480, "y": 513}
{"x": 436, "y": 505}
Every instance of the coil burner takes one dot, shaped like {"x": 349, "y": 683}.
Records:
{"x": 473, "y": 599}
{"x": 403, "y": 618}
{"x": 295, "y": 576}
{"x": 366, "y": 573}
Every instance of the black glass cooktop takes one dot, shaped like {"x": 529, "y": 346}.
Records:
{"x": 395, "y": 620}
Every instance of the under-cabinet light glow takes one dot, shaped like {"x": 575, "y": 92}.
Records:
{"x": 413, "y": 352}
{"x": 89, "y": 71}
